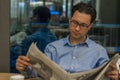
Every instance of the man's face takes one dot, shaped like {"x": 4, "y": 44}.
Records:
{"x": 79, "y": 25}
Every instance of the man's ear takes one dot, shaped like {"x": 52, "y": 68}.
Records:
{"x": 90, "y": 26}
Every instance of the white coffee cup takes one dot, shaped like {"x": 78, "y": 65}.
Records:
{"x": 17, "y": 77}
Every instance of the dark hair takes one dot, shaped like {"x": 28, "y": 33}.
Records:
{"x": 85, "y": 8}
{"x": 43, "y": 13}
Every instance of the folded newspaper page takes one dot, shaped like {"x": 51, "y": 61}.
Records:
{"x": 49, "y": 70}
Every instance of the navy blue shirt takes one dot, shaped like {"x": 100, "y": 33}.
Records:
{"x": 42, "y": 37}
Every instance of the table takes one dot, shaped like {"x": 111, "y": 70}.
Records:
{"x": 6, "y": 76}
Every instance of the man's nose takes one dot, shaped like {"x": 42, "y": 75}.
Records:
{"x": 77, "y": 27}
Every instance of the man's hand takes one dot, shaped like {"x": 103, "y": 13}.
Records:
{"x": 113, "y": 73}
{"x": 22, "y": 62}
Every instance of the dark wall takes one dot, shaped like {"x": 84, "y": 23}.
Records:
{"x": 109, "y": 14}
{"x": 109, "y": 11}
{"x": 4, "y": 35}
{"x": 118, "y": 12}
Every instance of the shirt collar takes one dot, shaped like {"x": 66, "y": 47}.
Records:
{"x": 87, "y": 42}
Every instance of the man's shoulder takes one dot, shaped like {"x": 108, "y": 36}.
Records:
{"x": 96, "y": 44}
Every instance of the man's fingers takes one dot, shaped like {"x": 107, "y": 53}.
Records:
{"x": 113, "y": 77}
{"x": 112, "y": 74}
{"x": 23, "y": 60}
{"x": 113, "y": 66}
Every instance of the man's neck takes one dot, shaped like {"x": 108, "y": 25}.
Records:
{"x": 77, "y": 41}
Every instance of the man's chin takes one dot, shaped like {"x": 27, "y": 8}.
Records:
{"x": 76, "y": 37}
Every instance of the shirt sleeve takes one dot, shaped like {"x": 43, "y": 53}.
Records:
{"x": 50, "y": 51}
{"x": 29, "y": 73}
{"x": 103, "y": 56}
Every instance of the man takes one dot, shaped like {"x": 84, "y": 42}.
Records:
{"x": 41, "y": 34}
{"x": 76, "y": 52}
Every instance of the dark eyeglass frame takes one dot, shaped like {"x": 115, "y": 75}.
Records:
{"x": 75, "y": 23}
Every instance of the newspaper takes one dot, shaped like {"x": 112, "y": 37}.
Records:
{"x": 49, "y": 70}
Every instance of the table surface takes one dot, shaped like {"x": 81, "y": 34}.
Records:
{"x": 6, "y": 76}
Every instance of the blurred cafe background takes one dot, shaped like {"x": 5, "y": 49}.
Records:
{"x": 15, "y": 18}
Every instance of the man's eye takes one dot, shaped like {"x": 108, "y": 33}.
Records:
{"x": 83, "y": 25}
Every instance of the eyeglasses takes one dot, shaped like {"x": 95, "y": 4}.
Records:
{"x": 74, "y": 23}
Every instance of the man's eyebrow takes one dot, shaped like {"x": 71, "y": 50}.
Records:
{"x": 80, "y": 23}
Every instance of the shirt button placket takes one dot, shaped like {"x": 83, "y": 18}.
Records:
{"x": 74, "y": 57}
